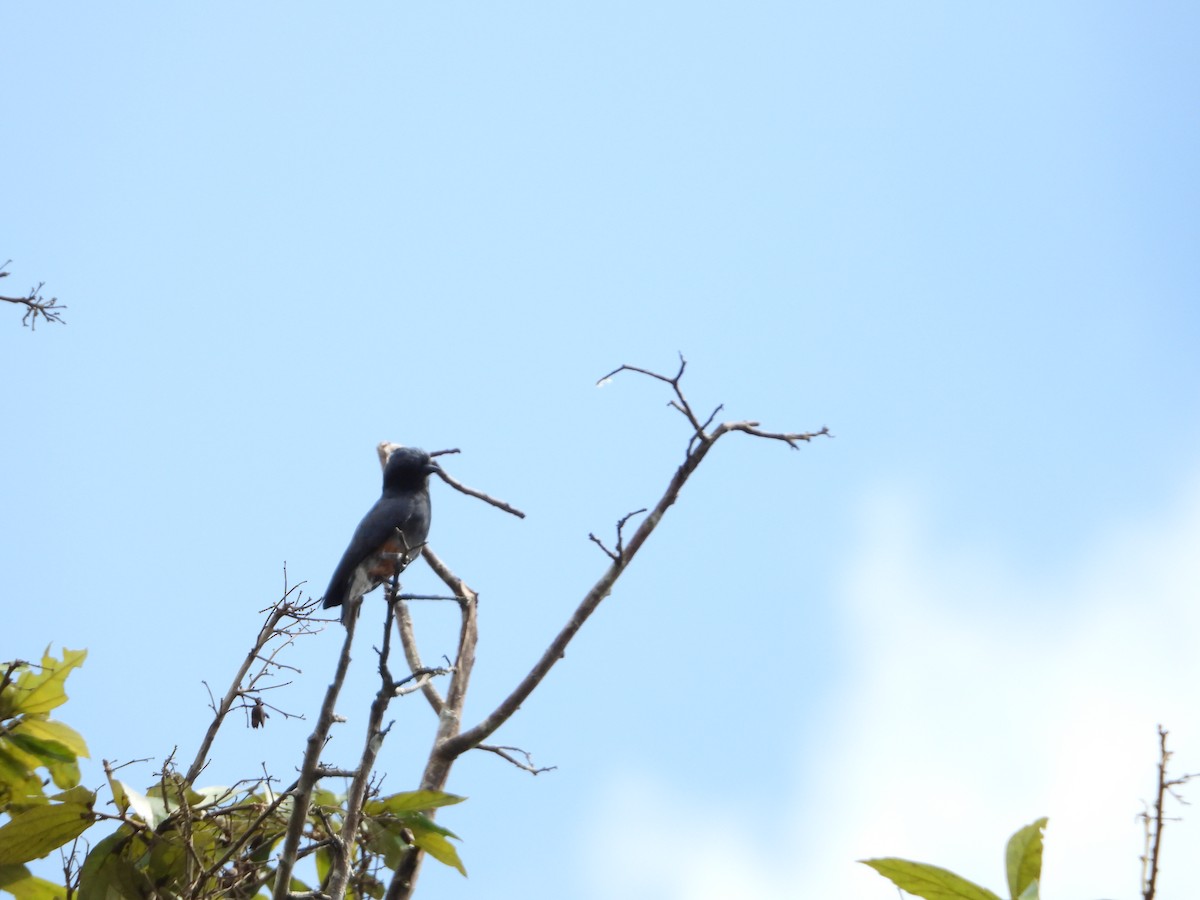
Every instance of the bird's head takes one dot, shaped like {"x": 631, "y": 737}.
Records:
{"x": 407, "y": 468}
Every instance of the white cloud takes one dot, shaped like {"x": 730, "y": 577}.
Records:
{"x": 978, "y": 702}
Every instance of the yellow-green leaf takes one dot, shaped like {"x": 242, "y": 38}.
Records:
{"x": 64, "y": 774}
{"x": 106, "y": 874}
{"x": 36, "y": 831}
{"x": 79, "y": 794}
{"x": 385, "y": 840}
{"x": 324, "y": 861}
{"x": 50, "y": 755}
{"x": 17, "y": 881}
{"x": 1023, "y": 857}
{"x": 18, "y": 783}
{"x": 436, "y": 845}
{"x": 45, "y": 730}
{"x": 411, "y": 801}
{"x": 40, "y": 692}
{"x": 929, "y": 882}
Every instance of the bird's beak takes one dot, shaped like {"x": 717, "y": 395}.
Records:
{"x": 433, "y": 468}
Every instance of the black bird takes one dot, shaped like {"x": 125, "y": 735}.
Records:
{"x": 390, "y": 536}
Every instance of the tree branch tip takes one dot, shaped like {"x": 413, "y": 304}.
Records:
{"x": 599, "y": 543}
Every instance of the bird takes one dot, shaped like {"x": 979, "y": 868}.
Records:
{"x": 391, "y": 534}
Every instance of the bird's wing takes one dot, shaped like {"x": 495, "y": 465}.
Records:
{"x": 377, "y": 527}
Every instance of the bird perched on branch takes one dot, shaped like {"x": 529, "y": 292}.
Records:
{"x": 391, "y": 535}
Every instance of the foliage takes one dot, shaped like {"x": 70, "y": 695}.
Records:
{"x": 1023, "y": 862}
{"x": 30, "y": 743}
{"x": 172, "y": 840}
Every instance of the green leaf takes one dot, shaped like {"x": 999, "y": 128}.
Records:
{"x": 323, "y": 797}
{"x": 433, "y": 841}
{"x": 64, "y": 774}
{"x": 1031, "y": 891}
{"x": 929, "y": 882}
{"x": 384, "y": 838}
{"x": 44, "y": 751}
{"x": 78, "y": 794}
{"x": 45, "y": 730}
{"x": 424, "y": 823}
{"x": 213, "y": 795}
{"x": 50, "y": 755}
{"x": 166, "y": 863}
{"x": 40, "y": 692}
{"x": 119, "y": 796}
{"x": 1023, "y": 858}
{"x": 151, "y": 809}
{"x": 18, "y": 784}
{"x": 410, "y": 801}
{"x": 324, "y": 860}
{"x": 107, "y": 875}
{"x": 36, "y": 831}
{"x": 175, "y": 793}
{"x": 17, "y": 881}
{"x": 21, "y": 756}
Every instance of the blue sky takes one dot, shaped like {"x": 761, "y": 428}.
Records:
{"x": 961, "y": 236}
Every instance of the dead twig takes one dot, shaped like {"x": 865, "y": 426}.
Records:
{"x": 452, "y": 741}
{"x": 302, "y": 794}
{"x": 615, "y": 556}
{"x": 385, "y": 449}
{"x": 1155, "y": 819}
{"x": 505, "y": 753}
{"x": 286, "y": 621}
{"x": 35, "y": 304}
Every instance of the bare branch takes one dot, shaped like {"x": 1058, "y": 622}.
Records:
{"x": 698, "y": 449}
{"x": 790, "y": 439}
{"x": 308, "y": 770}
{"x": 528, "y": 766}
{"x": 1155, "y": 819}
{"x": 412, "y": 656}
{"x": 680, "y": 402}
{"x": 451, "y": 742}
{"x": 616, "y": 555}
{"x": 479, "y": 495}
{"x": 35, "y": 304}
{"x": 385, "y": 448}
{"x": 376, "y": 732}
{"x": 437, "y": 767}
{"x": 283, "y": 608}
{"x": 599, "y": 543}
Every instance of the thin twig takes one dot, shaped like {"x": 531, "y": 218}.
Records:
{"x": 271, "y": 629}
{"x": 35, "y": 304}
{"x": 505, "y": 753}
{"x": 451, "y": 742}
{"x": 308, "y": 771}
{"x": 412, "y": 655}
{"x": 1155, "y": 820}
{"x": 343, "y": 846}
{"x": 385, "y": 449}
{"x": 479, "y": 495}
{"x": 615, "y": 555}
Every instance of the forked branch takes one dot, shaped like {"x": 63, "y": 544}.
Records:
{"x": 451, "y": 742}
{"x": 35, "y": 304}
{"x": 288, "y": 619}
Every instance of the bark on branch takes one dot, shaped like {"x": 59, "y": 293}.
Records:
{"x": 451, "y": 742}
